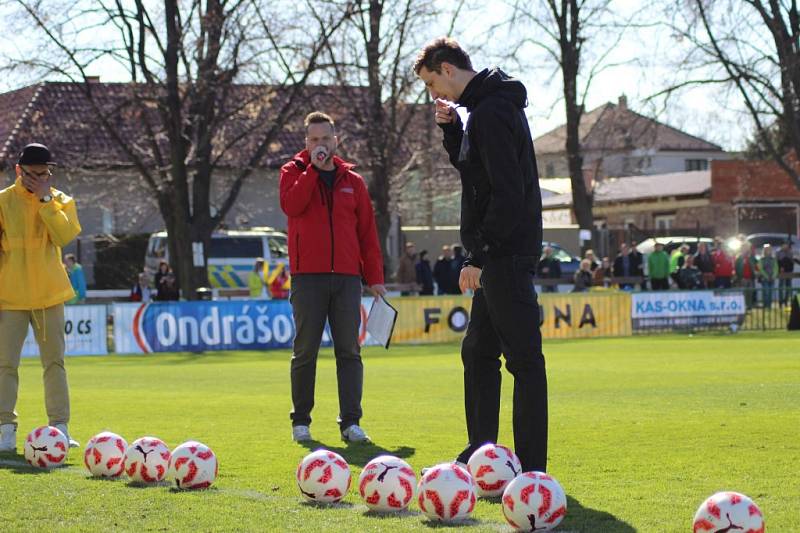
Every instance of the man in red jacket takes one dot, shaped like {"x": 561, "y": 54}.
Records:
{"x": 333, "y": 243}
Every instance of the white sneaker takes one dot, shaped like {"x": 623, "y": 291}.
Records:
{"x": 459, "y": 463}
{"x": 63, "y": 429}
{"x": 301, "y": 433}
{"x": 8, "y": 438}
{"x": 354, "y": 433}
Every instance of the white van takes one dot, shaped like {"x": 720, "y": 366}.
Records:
{"x": 232, "y": 255}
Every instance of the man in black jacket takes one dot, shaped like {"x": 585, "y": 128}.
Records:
{"x": 501, "y": 229}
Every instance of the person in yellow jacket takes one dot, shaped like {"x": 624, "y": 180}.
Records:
{"x": 36, "y": 221}
{"x": 255, "y": 281}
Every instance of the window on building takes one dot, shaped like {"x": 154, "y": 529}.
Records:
{"x": 696, "y": 164}
{"x": 629, "y": 222}
{"x": 549, "y": 170}
{"x": 664, "y": 222}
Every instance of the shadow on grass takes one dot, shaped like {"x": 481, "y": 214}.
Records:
{"x": 17, "y": 464}
{"x": 140, "y": 485}
{"x": 361, "y": 453}
{"x": 382, "y": 515}
{"x": 440, "y": 524}
{"x": 327, "y": 505}
{"x": 585, "y": 519}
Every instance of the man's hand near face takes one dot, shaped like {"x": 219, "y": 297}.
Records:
{"x": 38, "y": 185}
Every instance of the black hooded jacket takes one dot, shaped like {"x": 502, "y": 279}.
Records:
{"x": 501, "y": 204}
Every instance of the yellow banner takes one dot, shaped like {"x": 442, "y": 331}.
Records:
{"x": 424, "y": 319}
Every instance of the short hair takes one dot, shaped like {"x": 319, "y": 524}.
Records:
{"x": 442, "y": 50}
{"x": 318, "y": 117}
{"x": 71, "y": 257}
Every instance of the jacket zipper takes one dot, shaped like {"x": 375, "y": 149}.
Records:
{"x": 330, "y": 222}
{"x": 297, "y": 248}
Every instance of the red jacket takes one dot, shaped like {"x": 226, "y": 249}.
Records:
{"x": 330, "y": 230}
{"x": 723, "y": 264}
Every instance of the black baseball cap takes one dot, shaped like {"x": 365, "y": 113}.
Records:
{"x": 35, "y": 154}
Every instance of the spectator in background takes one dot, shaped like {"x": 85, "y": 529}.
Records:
{"x": 163, "y": 270}
{"x": 592, "y": 260}
{"x": 746, "y": 266}
{"x": 705, "y": 264}
{"x": 723, "y": 265}
{"x": 637, "y": 263}
{"x": 548, "y": 268}
{"x": 658, "y": 267}
{"x": 278, "y": 286}
{"x": 767, "y": 273}
{"x": 76, "y": 278}
{"x": 168, "y": 288}
{"x": 603, "y": 274}
{"x": 406, "y": 272}
{"x": 442, "y": 272}
{"x": 676, "y": 260}
{"x": 786, "y": 263}
{"x": 255, "y": 281}
{"x": 689, "y": 276}
{"x": 456, "y": 266}
{"x": 424, "y": 274}
{"x": 140, "y": 292}
{"x": 583, "y": 277}
{"x": 623, "y": 266}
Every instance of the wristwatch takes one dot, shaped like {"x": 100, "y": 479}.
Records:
{"x": 46, "y": 198}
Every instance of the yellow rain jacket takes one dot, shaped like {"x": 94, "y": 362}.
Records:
{"x": 31, "y": 236}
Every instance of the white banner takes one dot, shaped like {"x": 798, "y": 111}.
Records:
{"x": 686, "y": 308}
{"x": 84, "y": 330}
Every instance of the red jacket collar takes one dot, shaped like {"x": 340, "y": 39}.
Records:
{"x": 342, "y": 166}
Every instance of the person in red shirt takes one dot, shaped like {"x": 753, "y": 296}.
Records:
{"x": 723, "y": 265}
{"x": 333, "y": 243}
{"x": 277, "y": 284}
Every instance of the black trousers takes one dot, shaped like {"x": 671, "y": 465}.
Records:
{"x": 659, "y": 284}
{"x": 336, "y": 298}
{"x": 505, "y": 319}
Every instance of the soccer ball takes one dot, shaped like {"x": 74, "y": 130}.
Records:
{"x": 726, "y": 511}
{"x": 105, "y": 455}
{"x": 323, "y": 476}
{"x": 146, "y": 460}
{"x": 193, "y": 466}
{"x": 46, "y": 447}
{"x": 387, "y": 484}
{"x": 446, "y": 492}
{"x": 534, "y": 501}
{"x": 493, "y": 467}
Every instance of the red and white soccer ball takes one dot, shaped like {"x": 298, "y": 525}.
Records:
{"x": 193, "y": 466}
{"x": 493, "y": 467}
{"x": 46, "y": 447}
{"x": 446, "y": 492}
{"x": 728, "y": 511}
{"x": 387, "y": 484}
{"x": 323, "y": 476}
{"x": 105, "y": 455}
{"x": 146, "y": 460}
{"x": 534, "y": 501}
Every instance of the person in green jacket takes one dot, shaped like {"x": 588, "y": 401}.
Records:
{"x": 676, "y": 260}
{"x": 767, "y": 274}
{"x": 258, "y": 288}
{"x": 658, "y": 267}
{"x": 76, "y": 278}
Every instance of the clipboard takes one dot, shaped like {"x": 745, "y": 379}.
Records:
{"x": 381, "y": 320}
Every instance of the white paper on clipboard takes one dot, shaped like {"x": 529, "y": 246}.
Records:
{"x": 381, "y": 320}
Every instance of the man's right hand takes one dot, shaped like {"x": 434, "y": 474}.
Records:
{"x": 445, "y": 114}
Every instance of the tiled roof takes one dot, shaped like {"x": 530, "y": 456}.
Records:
{"x": 613, "y": 128}
{"x": 59, "y": 115}
{"x": 635, "y": 188}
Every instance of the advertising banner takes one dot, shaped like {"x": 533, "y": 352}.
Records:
{"x": 684, "y": 309}
{"x": 207, "y": 326}
{"x": 585, "y": 314}
{"x": 84, "y": 330}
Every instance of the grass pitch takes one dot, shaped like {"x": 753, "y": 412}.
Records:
{"x": 642, "y": 430}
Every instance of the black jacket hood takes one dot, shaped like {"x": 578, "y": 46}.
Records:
{"x": 493, "y": 82}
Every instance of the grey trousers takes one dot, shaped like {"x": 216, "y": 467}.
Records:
{"x": 316, "y": 298}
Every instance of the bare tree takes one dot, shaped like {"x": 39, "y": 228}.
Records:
{"x": 187, "y": 62}
{"x": 756, "y": 54}
{"x": 372, "y": 60}
{"x": 577, "y": 37}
